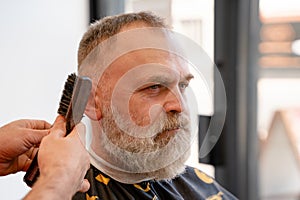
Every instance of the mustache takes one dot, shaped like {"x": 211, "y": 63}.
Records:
{"x": 174, "y": 121}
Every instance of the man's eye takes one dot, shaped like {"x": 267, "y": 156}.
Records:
{"x": 154, "y": 87}
{"x": 183, "y": 86}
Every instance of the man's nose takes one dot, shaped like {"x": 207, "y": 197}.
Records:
{"x": 173, "y": 102}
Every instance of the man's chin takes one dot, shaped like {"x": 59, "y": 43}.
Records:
{"x": 172, "y": 170}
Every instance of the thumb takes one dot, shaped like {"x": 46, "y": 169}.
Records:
{"x": 59, "y": 127}
{"x": 79, "y": 131}
{"x": 85, "y": 185}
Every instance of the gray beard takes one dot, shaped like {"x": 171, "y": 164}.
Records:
{"x": 130, "y": 159}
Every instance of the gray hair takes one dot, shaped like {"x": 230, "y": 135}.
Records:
{"x": 111, "y": 25}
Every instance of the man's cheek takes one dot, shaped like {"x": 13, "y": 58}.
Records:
{"x": 139, "y": 112}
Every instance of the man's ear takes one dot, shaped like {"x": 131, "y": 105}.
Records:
{"x": 93, "y": 110}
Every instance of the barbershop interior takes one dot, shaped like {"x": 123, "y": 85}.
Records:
{"x": 254, "y": 46}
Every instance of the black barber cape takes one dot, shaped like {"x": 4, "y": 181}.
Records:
{"x": 190, "y": 185}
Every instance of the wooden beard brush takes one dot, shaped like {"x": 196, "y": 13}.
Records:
{"x": 72, "y": 105}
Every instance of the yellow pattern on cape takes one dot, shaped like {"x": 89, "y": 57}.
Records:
{"x": 140, "y": 188}
{"x": 102, "y": 179}
{"x": 216, "y": 196}
{"x": 205, "y": 178}
{"x": 91, "y": 198}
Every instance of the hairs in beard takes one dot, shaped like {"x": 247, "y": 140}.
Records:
{"x": 155, "y": 157}
{"x": 133, "y": 138}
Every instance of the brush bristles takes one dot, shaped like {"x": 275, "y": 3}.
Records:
{"x": 67, "y": 95}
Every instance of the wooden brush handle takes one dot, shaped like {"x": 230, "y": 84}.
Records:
{"x": 33, "y": 172}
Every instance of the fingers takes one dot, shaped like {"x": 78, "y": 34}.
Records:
{"x": 24, "y": 160}
{"x": 32, "y": 131}
{"x": 85, "y": 186}
{"x": 59, "y": 127}
{"x": 34, "y": 137}
{"x": 37, "y": 124}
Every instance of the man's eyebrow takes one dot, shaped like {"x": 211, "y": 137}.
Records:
{"x": 188, "y": 77}
{"x": 159, "y": 79}
{"x": 166, "y": 80}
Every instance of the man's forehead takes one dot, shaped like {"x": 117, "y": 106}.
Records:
{"x": 136, "y": 58}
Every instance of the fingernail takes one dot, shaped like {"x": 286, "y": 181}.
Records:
{"x": 59, "y": 118}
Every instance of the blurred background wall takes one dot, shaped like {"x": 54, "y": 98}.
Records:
{"x": 38, "y": 44}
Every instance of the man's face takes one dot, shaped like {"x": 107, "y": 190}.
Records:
{"x": 146, "y": 101}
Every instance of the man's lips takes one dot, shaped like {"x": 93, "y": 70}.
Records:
{"x": 166, "y": 135}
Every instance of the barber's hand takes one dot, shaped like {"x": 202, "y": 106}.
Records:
{"x": 64, "y": 160}
{"x": 19, "y": 140}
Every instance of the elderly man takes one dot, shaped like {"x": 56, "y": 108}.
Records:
{"x": 141, "y": 130}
